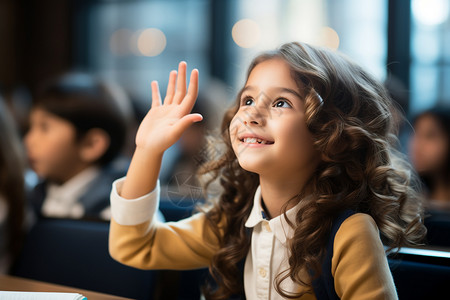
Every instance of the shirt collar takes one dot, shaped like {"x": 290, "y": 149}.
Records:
{"x": 255, "y": 216}
{"x": 279, "y": 225}
{"x": 74, "y": 187}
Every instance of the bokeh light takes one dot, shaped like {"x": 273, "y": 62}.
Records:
{"x": 329, "y": 38}
{"x": 246, "y": 33}
{"x": 430, "y": 12}
{"x": 151, "y": 42}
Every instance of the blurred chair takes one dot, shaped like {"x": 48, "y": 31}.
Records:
{"x": 421, "y": 273}
{"x": 438, "y": 226}
{"x": 75, "y": 253}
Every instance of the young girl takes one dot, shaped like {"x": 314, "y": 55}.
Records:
{"x": 308, "y": 141}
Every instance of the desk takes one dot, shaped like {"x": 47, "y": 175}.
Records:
{"x": 12, "y": 283}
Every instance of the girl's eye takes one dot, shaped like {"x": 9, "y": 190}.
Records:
{"x": 248, "y": 102}
{"x": 282, "y": 103}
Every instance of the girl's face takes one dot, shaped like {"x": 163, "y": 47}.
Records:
{"x": 51, "y": 146}
{"x": 429, "y": 146}
{"x": 268, "y": 132}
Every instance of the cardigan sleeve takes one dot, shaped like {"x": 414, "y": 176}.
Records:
{"x": 359, "y": 264}
{"x": 138, "y": 240}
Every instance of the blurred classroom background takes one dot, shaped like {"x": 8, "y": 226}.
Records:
{"x": 404, "y": 43}
{"x": 134, "y": 42}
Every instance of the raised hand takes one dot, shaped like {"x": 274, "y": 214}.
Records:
{"x": 166, "y": 121}
{"x": 163, "y": 125}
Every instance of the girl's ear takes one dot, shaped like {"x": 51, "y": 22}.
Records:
{"x": 93, "y": 145}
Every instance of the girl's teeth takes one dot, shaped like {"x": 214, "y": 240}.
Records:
{"x": 254, "y": 141}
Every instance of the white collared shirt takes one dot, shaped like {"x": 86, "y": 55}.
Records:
{"x": 268, "y": 255}
{"x": 61, "y": 201}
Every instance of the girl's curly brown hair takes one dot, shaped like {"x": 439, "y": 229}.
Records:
{"x": 351, "y": 119}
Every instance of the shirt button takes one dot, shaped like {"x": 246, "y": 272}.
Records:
{"x": 262, "y": 272}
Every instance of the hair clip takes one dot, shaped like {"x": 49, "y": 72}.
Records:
{"x": 320, "y": 98}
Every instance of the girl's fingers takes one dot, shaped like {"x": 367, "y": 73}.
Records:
{"x": 181, "y": 83}
{"x": 192, "y": 92}
{"x": 156, "y": 96}
{"x": 170, "y": 88}
{"x": 176, "y": 88}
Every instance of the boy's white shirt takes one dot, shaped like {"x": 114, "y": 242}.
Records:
{"x": 62, "y": 200}
{"x": 263, "y": 261}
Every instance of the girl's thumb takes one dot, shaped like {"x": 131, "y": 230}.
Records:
{"x": 187, "y": 121}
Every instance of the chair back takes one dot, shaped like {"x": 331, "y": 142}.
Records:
{"x": 75, "y": 253}
{"x": 421, "y": 273}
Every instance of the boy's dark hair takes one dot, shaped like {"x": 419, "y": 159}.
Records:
{"x": 88, "y": 102}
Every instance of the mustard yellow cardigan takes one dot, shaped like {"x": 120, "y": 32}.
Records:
{"x": 359, "y": 264}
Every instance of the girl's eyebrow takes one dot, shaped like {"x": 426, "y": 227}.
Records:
{"x": 277, "y": 90}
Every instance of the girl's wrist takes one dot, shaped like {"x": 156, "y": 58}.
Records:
{"x": 149, "y": 151}
{"x": 142, "y": 174}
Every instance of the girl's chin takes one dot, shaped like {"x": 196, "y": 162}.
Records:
{"x": 253, "y": 167}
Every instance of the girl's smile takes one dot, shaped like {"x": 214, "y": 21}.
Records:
{"x": 254, "y": 140}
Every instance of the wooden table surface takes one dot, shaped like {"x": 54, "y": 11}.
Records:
{"x": 12, "y": 283}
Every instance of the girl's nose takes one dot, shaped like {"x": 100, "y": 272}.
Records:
{"x": 254, "y": 120}
{"x": 254, "y": 117}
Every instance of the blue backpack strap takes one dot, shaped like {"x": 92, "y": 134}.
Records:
{"x": 324, "y": 285}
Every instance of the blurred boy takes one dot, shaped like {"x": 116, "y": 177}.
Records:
{"x": 78, "y": 126}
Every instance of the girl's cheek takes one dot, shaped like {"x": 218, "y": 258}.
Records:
{"x": 234, "y": 125}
